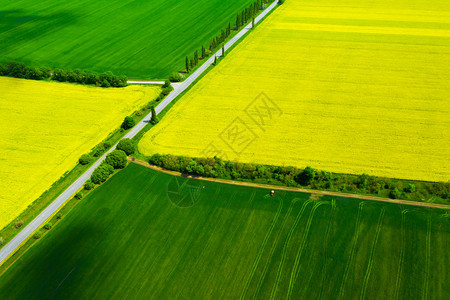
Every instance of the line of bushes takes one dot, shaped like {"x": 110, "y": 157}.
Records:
{"x": 117, "y": 159}
{"x": 166, "y": 89}
{"x": 306, "y": 178}
{"x": 20, "y": 70}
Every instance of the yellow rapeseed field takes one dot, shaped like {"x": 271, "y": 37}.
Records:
{"x": 46, "y": 126}
{"x": 343, "y": 86}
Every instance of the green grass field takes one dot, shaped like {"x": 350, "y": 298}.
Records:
{"x": 140, "y": 39}
{"x": 128, "y": 239}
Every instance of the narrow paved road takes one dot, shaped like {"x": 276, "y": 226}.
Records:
{"x": 23, "y": 235}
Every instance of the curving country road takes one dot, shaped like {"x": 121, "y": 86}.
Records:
{"x": 27, "y": 231}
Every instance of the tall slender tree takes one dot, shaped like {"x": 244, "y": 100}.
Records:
{"x": 154, "y": 119}
{"x": 187, "y": 64}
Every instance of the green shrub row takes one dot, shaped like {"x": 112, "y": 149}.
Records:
{"x": 117, "y": 159}
{"x": 20, "y": 70}
{"x": 306, "y": 178}
{"x": 166, "y": 89}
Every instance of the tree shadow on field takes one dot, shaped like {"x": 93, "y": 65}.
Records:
{"x": 18, "y": 27}
{"x": 48, "y": 269}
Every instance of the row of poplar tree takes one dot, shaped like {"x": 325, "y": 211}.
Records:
{"x": 242, "y": 18}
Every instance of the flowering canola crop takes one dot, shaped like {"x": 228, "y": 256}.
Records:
{"x": 46, "y": 126}
{"x": 354, "y": 87}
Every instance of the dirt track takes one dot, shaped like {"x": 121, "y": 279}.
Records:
{"x": 309, "y": 191}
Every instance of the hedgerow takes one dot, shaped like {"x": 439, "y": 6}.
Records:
{"x": 20, "y": 70}
{"x": 305, "y": 178}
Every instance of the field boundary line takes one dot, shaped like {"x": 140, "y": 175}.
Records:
{"x": 27, "y": 231}
{"x": 261, "y": 249}
{"x": 372, "y": 253}
{"x": 300, "y": 190}
{"x": 286, "y": 243}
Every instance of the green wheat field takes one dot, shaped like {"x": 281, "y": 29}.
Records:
{"x": 145, "y": 234}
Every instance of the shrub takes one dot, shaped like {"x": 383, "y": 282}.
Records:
{"x": 15, "y": 69}
{"x": 89, "y": 185}
{"x": 128, "y": 123}
{"x": 85, "y": 159}
{"x": 410, "y": 188}
{"x": 3, "y": 71}
{"x": 38, "y": 73}
{"x": 166, "y": 84}
{"x": 175, "y": 77}
{"x": 48, "y": 226}
{"x": 1, "y": 240}
{"x": 98, "y": 150}
{"x": 59, "y": 75}
{"x": 58, "y": 216}
{"x": 37, "y": 235}
{"x": 395, "y": 194}
{"x": 78, "y": 195}
{"x": 166, "y": 91}
{"x": 101, "y": 173}
{"x": 117, "y": 159}
{"x": 105, "y": 83}
{"x": 126, "y": 145}
{"x": 34, "y": 73}
{"x": 107, "y": 145}
{"x": 306, "y": 177}
{"x": 155, "y": 159}
{"x": 91, "y": 77}
{"x": 19, "y": 223}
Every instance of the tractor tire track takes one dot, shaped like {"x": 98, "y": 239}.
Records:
{"x": 272, "y": 250}
{"x": 261, "y": 249}
{"x": 285, "y": 248}
{"x": 325, "y": 247}
{"x": 402, "y": 254}
{"x": 294, "y": 272}
{"x": 352, "y": 251}
{"x": 372, "y": 253}
{"x": 427, "y": 258}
